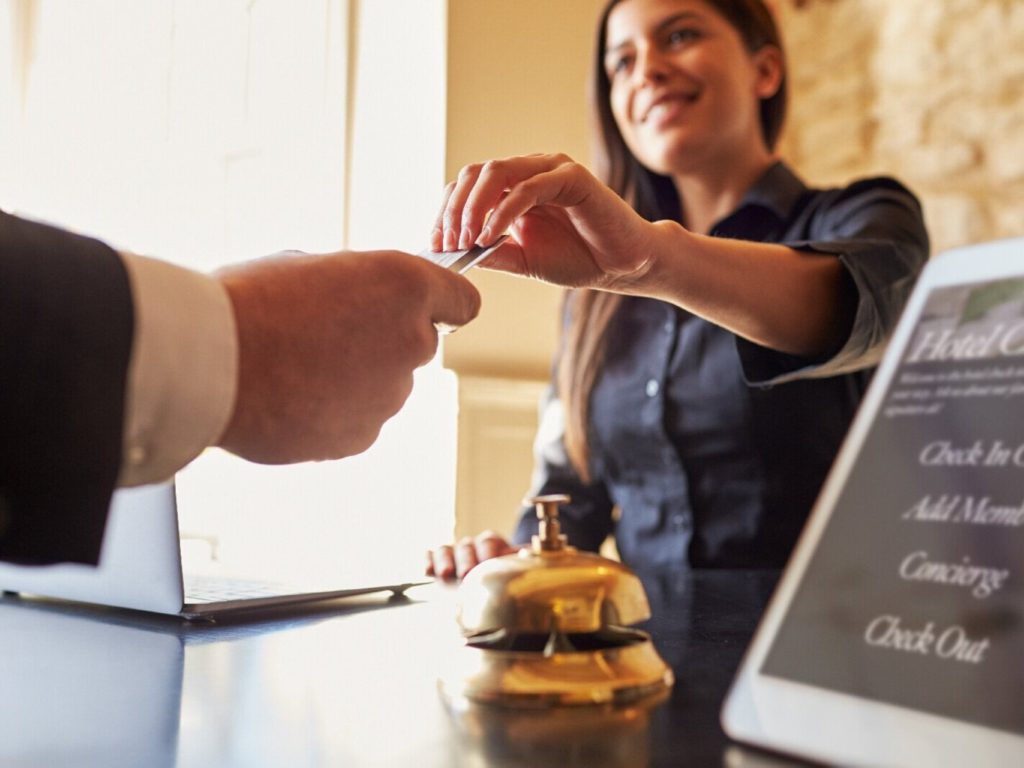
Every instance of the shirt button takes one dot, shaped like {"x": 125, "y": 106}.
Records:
{"x": 669, "y": 327}
{"x": 652, "y": 387}
{"x": 679, "y": 521}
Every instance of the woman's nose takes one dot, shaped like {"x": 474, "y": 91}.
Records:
{"x": 652, "y": 65}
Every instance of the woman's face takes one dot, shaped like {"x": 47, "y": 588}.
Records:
{"x": 685, "y": 91}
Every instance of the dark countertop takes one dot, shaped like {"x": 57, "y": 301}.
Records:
{"x": 351, "y": 684}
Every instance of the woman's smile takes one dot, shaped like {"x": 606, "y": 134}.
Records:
{"x": 666, "y": 107}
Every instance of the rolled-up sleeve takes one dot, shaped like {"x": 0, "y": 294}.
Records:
{"x": 875, "y": 228}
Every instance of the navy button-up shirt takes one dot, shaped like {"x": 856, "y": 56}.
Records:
{"x": 709, "y": 449}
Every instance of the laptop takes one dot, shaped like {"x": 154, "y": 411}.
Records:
{"x": 141, "y": 568}
{"x": 896, "y": 633}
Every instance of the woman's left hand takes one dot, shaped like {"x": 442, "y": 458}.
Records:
{"x": 566, "y": 226}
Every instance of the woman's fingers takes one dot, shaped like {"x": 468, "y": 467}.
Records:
{"x": 450, "y": 562}
{"x": 451, "y": 219}
{"x": 489, "y": 544}
{"x": 441, "y": 563}
{"x": 465, "y": 556}
{"x": 466, "y": 216}
{"x": 564, "y": 186}
{"x": 437, "y": 233}
{"x": 494, "y": 180}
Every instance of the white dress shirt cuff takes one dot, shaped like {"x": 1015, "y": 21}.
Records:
{"x": 182, "y": 373}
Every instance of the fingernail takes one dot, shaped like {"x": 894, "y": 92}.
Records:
{"x": 485, "y": 236}
{"x": 464, "y": 239}
{"x": 449, "y": 240}
{"x": 435, "y": 239}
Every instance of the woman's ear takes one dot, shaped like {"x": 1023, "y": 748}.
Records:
{"x": 769, "y": 69}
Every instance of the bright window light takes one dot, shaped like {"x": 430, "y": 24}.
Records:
{"x": 206, "y": 133}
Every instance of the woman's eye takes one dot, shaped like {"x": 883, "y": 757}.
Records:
{"x": 619, "y": 64}
{"x": 685, "y": 35}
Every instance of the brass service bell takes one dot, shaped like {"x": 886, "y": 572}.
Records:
{"x": 549, "y": 625}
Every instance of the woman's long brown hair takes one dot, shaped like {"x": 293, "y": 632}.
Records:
{"x": 651, "y": 195}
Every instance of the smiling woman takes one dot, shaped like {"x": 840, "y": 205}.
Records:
{"x": 706, "y": 52}
{"x": 723, "y": 316}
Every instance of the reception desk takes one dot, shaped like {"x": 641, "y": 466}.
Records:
{"x": 347, "y": 684}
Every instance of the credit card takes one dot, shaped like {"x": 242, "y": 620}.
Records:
{"x": 464, "y": 260}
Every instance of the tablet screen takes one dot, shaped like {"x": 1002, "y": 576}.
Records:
{"x": 914, "y": 595}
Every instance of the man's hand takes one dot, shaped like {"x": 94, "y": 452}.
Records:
{"x": 327, "y": 347}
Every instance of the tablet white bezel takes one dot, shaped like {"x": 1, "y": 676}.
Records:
{"x": 805, "y": 720}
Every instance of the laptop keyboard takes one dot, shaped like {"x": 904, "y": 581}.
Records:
{"x": 219, "y": 589}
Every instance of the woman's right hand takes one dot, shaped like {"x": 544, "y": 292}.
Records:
{"x": 566, "y": 226}
{"x": 450, "y": 562}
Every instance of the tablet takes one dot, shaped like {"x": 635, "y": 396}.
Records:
{"x": 896, "y": 635}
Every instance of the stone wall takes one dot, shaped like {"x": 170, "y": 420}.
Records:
{"x": 929, "y": 91}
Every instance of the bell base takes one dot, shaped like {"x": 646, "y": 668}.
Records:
{"x": 523, "y": 679}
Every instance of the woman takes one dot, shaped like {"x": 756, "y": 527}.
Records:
{"x": 724, "y": 317}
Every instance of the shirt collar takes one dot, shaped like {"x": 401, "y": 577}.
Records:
{"x": 778, "y": 190}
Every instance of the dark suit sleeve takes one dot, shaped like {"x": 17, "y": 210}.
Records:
{"x": 66, "y": 326}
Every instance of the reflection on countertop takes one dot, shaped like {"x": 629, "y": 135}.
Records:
{"x": 352, "y": 683}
